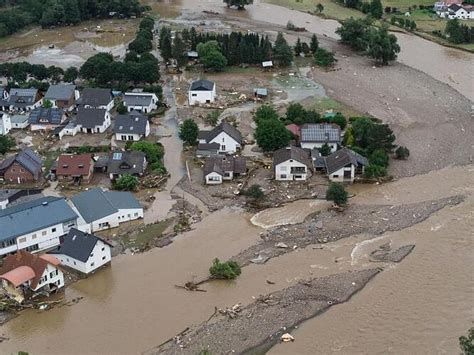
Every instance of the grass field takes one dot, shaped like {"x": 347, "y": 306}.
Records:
{"x": 331, "y": 9}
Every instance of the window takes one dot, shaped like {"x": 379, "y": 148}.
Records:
{"x": 335, "y": 176}
{"x": 92, "y": 255}
{"x": 103, "y": 258}
{"x": 92, "y": 264}
{"x": 57, "y": 272}
{"x": 74, "y": 263}
{"x": 51, "y": 274}
{"x": 67, "y": 259}
{"x": 136, "y": 214}
{"x": 222, "y": 147}
{"x": 103, "y": 248}
{"x": 128, "y": 215}
{"x": 282, "y": 176}
{"x": 22, "y": 240}
{"x": 53, "y": 230}
{"x": 44, "y": 232}
{"x": 33, "y": 236}
{"x": 193, "y": 95}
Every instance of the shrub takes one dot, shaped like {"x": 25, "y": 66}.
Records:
{"x": 379, "y": 157}
{"x": 228, "y": 270}
{"x": 6, "y": 143}
{"x": 402, "y": 153}
{"x": 336, "y": 193}
{"x": 375, "y": 171}
{"x": 154, "y": 152}
{"x": 212, "y": 117}
{"x": 290, "y": 26}
{"x": 339, "y": 119}
{"x": 121, "y": 109}
{"x": 325, "y": 150}
{"x": 126, "y": 182}
{"x": 255, "y": 192}
{"x": 467, "y": 343}
{"x": 158, "y": 168}
{"x": 188, "y": 132}
{"x": 324, "y": 58}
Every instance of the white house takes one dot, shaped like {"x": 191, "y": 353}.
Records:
{"x": 131, "y": 127}
{"x": 344, "y": 165}
{"x": 292, "y": 163}
{"x": 36, "y": 225}
{"x": 96, "y": 98}
{"x": 93, "y": 120}
{"x": 107, "y": 209}
{"x": 457, "y": 11}
{"x": 23, "y": 275}
{"x": 71, "y": 128}
{"x": 83, "y": 252}
{"x": 315, "y": 135}
{"x": 202, "y": 92}
{"x": 5, "y": 123}
{"x": 220, "y": 168}
{"x": 225, "y": 135}
{"x": 19, "y": 121}
{"x": 144, "y": 102}
{"x": 23, "y": 100}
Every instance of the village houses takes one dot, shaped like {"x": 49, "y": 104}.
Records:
{"x": 23, "y": 167}
{"x": 22, "y": 100}
{"x": 221, "y": 168}
{"x": 62, "y": 96}
{"x": 292, "y": 163}
{"x": 119, "y": 163}
{"x": 19, "y": 121}
{"x": 5, "y": 123}
{"x": 143, "y": 102}
{"x": 96, "y": 98}
{"x": 131, "y": 127}
{"x": 316, "y": 135}
{"x": 74, "y": 168}
{"x": 224, "y": 139}
{"x": 46, "y": 119}
{"x": 93, "y": 120}
{"x": 202, "y": 92}
{"x": 83, "y": 252}
{"x": 344, "y": 165}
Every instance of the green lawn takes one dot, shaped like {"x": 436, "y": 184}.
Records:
{"x": 146, "y": 234}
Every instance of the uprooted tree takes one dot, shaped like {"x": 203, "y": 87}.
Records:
{"x": 227, "y": 270}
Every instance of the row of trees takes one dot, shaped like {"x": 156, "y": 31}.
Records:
{"x": 406, "y": 23}
{"x": 374, "y": 7}
{"x": 362, "y": 36}
{"x": 63, "y": 12}
{"x": 458, "y": 33}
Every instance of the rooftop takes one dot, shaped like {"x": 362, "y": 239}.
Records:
{"x": 42, "y": 115}
{"x": 221, "y": 164}
{"x": 62, "y": 92}
{"x": 138, "y": 99}
{"x": 74, "y": 165}
{"x": 202, "y": 85}
{"x": 320, "y": 133}
{"x": 95, "y": 97}
{"x": 131, "y": 162}
{"x": 131, "y": 123}
{"x": 224, "y": 126}
{"x": 292, "y": 153}
{"x": 343, "y": 157}
{"x": 90, "y": 117}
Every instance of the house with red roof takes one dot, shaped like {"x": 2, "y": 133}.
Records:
{"x": 74, "y": 168}
{"x": 24, "y": 274}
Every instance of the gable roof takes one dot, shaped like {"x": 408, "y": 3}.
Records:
{"x": 18, "y": 119}
{"x": 27, "y": 158}
{"x": 90, "y": 117}
{"x": 20, "y": 98}
{"x": 343, "y": 157}
{"x": 60, "y": 92}
{"x": 131, "y": 162}
{"x": 221, "y": 164}
{"x": 34, "y": 215}
{"x": 225, "y": 127}
{"x": 74, "y": 165}
{"x": 78, "y": 245}
{"x": 42, "y": 115}
{"x": 202, "y": 85}
{"x": 96, "y": 203}
{"x": 24, "y": 266}
{"x": 294, "y": 153}
{"x": 137, "y": 99}
{"x": 95, "y": 97}
{"x": 320, "y": 133}
{"x": 131, "y": 123}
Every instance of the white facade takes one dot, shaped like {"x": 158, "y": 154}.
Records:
{"x": 345, "y": 174}
{"x": 27, "y": 108}
{"x": 133, "y": 136}
{"x": 5, "y": 123}
{"x": 107, "y": 107}
{"x": 113, "y": 220}
{"x": 99, "y": 256}
{"x": 51, "y": 275}
{"x": 202, "y": 96}
{"x": 20, "y": 124}
{"x": 69, "y": 130}
{"x": 460, "y": 14}
{"x": 213, "y": 178}
{"x": 140, "y": 108}
{"x": 99, "y": 128}
{"x": 313, "y": 145}
{"x": 228, "y": 145}
{"x": 291, "y": 170}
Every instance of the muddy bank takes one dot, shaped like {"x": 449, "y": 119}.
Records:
{"x": 262, "y": 322}
{"x": 329, "y": 226}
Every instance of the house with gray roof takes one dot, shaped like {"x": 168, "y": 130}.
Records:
{"x": 46, "y": 119}
{"x": 93, "y": 120}
{"x": 292, "y": 163}
{"x": 202, "y": 92}
{"x": 220, "y": 168}
{"x": 103, "y": 209}
{"x": 35, "y": 225}
{"x": 315, "y": 135}
{"x": 22, "y": 100}
{"x": 125, "y": 162}
{"x": 344, "y": 165}
{"x": 96, "y": 98}
{"x": 131, "y": 127}
{"x": 24, "y": 167}
{"x": 19, "y": 121}
{"x": 62, "y": 96}
{"x": 227, "y": 136}
{"x": 83, "y": 252}
{"x": 143, "y": 102}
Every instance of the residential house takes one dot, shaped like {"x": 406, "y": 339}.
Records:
{"x": 96, "y": 98}
{"x": 202, "y": 92}
{"x": 67, "y": 128}
{"x": 226, "y": 135}
{"x": 24, "y": 167}
{"x": 220, "y": 168}
{"x": 315, "y": 135}
{"x": 442, "y": 6}
{"x": 456, "y": 11}
{"x": 36, "y": 225}
{"x": 62, "y": 96}
{"x": 5, "y": 123}
{"x": 24, "y": 274}
{"x": 107, "y": 209}
{"x": 46, "y": 119}
{"x": 83, "y": 252}
{"x": 131, "y": 127}
{"x": 93, "y": 120}
{"x": 10, "y": 196}
{"x": 260, "y": 93}
{"x": 19, "y": 121}
{"x": 292, "y": 163}
{"x": 344, "y": 165}
{"x": 23, "y": 100}
{"x": 144, "y": 102}
{"x": 74, "y": 168}
{"x": 125, "y": 162}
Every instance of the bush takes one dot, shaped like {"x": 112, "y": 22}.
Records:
{"x": 154, "y": 152}
{"x": 467, "y": 343}
{"x": 325, "y": 150}
{"x": 255, "y": 192}
{"x": 324, "y": 58}
{"x": 158, "y": 168}
{"x": 375, "y": 171}
{"x": 379, "y": 157}
{"x": 290, "y": 26}
{"x": 6, "y": 143}
{"x": 402, "y": 153}
{"x": 188, "y": 132}
{"x": 212, "y": 117}
{"x": 336, "y": 193}
{"x": 121, "y": 109}
{"x": 339, "y": 119}
{"x": 126, "y": 182}
{"x": 228, "y": 270}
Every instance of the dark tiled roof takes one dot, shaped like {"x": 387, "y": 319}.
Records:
{"x": 320, "y": 133}
{"x": 226, "y": 127}
{"x": 129, "y": 162}
{"x": 78, "y": 245}
{"x": 343, "y": 157}
{"x": 20, "y": 98}
{"x": 132, "y": 99}
{"x": 202, "y": 85}
{"x": 95, "y": 97}
{"x": 131, "y": 123}
{"x": 208, "y": 146}
{"x": 221, "y": 164}
{"x": 60, "y": 92}
{"x": 90, "y": 117}
{"x": 295, "y": 153}
{"x": 27, "y": 158}
{"x": 74, "y": 165}
{"x": 43, "y": 115}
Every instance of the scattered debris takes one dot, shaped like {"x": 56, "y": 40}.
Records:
{"x": 287, "y": 337}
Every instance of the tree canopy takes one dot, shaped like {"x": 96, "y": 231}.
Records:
{"x": 154, "y": 152}
{"x": 271, "y": 134}
{"x": 282, "y": 52}
{"x": 188, "y": 132}
{"x": 336, "y": 193}
{"x": 211, "y": 56}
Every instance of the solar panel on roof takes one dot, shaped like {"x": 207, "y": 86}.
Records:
{"x": 117, "y": 156}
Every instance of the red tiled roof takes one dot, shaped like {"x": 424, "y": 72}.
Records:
{"x": 74, "y": 165}
{"x": 293, "y": 128}
{"x": 19, "y": 275}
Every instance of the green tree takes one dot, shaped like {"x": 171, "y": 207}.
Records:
{"x": 337, "y": 194}
{"x": 126, "y": 182}
{"x": 272, "y": 135}
{"x": 240, "y": 4}
{"x": 255, "y": 192}
{"x": 382, "y": 46}
{"x": 467, "y": 343}
{"x": 165, "y": 44}
{"x": 339, "y": 119}
{"x": 298, "y": 47}
{"x": 354, "y": 32}
{"x": 375, "y": 171}
{"x": 295, "y": 113}
{"x": 72, "y": 14}
{"x": 314, "y": 44}
{"x": 188, "y": 132}
{"x": 47, "y": 103}
{"x": 141, "y": 44}
{"x": 121, "y": 109}
{"x": 6, "y": 143}
{"x": 379, "y": 157}
{"x": 179, "y": 51}
{"x": 376, "y": 9}
{"x": 227, "y": 270}
{"x": 154, "y": 152}
{"x": 349, "y": 139}
{"x": 324, "y": 58}
{"x": 211, "y": 56}
{"x": 402, "y": 153}
{"x": 282, "y": 52}
{"x": 265, "y": 112}
{"x": 325, "y": 150}
{"x": 320, "y": 8}
{"x": 53, "y": 13}
{"x": 70, "y": 75}
{"x": 361, "y": 127}
{"x": 380, "y": 136}
{"x": 453, "y": 30}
